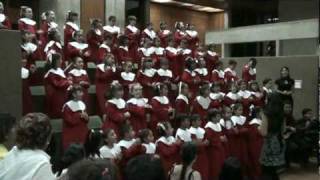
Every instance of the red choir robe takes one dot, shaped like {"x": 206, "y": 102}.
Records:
{"x": 211, "y": 59}
{"x": 126, "y": 79}
{"x": 27, "y": 106}
{"x": 178, "y": 36}
{"x": 193, "y": 39}
{"x": 200, "y": 106}
{"x": 193, "y": 80}
{"x": 246, "y": 101}
{"x": 241, "y": 141}
{"x": 103, "y": 79}
{"x": 217, "y": 100}
{"x": 138, "y": 110}
{"x": 248, "y": 73}
{"x": 202, "y": 162}
{"x": 113, "y": 31}
{"x": 255, "y": 142}
{"x": 231, "y": 98}
{"x": 69, "y": 29}
{"x": 133, "y": 35}
{"x": 129, "y": 149}
{"x": 230, "y": 76}
{"x": 148, "y": 34}
{"x": 181, "y": 59}
{"x": 182, "y": 106}
{"x": 80, "y": 77}
{"x": 46, "y": 27}
{"x": 31, "y": 53}
{"x": 74, "y": 128}
{"x": 163, "y": 35}
{"x": 165, "y": 76}
{"x": 122, "y": 55}
{"x": 114, "y": 111}
{"x": 4, "y": 20}
{"x": 257, "y": 99}
{"x": 104, "y": 50}
{"x": 94, "y": 40}
{"x": 146, "y": 78}
{"x": 203, "y": 74}
{"x": 143, "y": 53}
{"x": 76, "y": 49}
{"x": 218, "y": 76}
{"x": 56, "y": 85}
{"x": 158, "y": 53}
{"x": 51, "y": 48}
{"x": 215, "y": 150}
{"x": 171, "y": 54}
{"x": 168, "y": 150}
{"x": 27, "y": 24}
{"x": 198, "y": 55}
{"x": 227, "y": 130}
{"x": 160, "y": 112}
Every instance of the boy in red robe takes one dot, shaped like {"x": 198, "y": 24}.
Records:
{"x": 249, "y": 71}
{"x": 4, "y": 20}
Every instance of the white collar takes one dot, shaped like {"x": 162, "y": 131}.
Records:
{"x": 151, "y": 33}
{"x": 104, "y": 46}
{"x": 193, "y": 73}
{"x": 168, "y": 141}
{"x": 112, "y": 153}
{"x": 112, "y": 29}
{"x": 128, "y": 76}
{"x": 57, "y": 71}
{"x": 141, "y": 102}
{"x": 162, "y": 99}
{"x": 147, "y": 51}
{"x": 149, "y": 72}
{"x": 184, "y": 98}
{"x": 158, "y": 50}
{"x": 124, "y": 48}
{"x": 204, "y": 102}
{"x": 202, "y": 71}
{"x": 219, "y": 72}
{"x": 185, "y": 51}
{"x": 101, "y": 67}
{"x": 50, "y": 44}
{"x": 73, "y": 25}
{"x": 211, "y": 53}
{"x": 126, "y": 144}
{"x": 165, "y": 32}
{"x": 172, "y": 50}
{"x": 150, "y": 148}
{"x": 28, "y": 21}
{"x": 200, "y": 53}
{"x": 2, "y": 17}
{"x": 78, "y": 72}
{"x": 192, "y": 33}
{"x": 78, "y": 45}
{"x": 233, "y": 96}
{"x": 29, "y": 47}
{"x": 184, "y": 135}
{"x": 75, "y": 105}
{"x": 132, "y": 28}
{"x": 226, "y": 124}
{"x": 163, "y": 72}
{"x": 214, "y": 126}
{"x": 252, "y": 71}
{"x": 97, "y": 32}
{"x": 255, "y": 121}
{"x": 198, "y": 132}
{"x": 238, "y": 120}
{"x": 52, "y": 25}
{"x": 233, "y": 72}
{"x": 256, "y": 94}
{"x": 267, "y": 90}
{"x": 244, "y": 94}
{"x": 215, "y": 96}
{"x": 119, "y": 103}
{"x": 24, "y": 73}
{"x": 181, "y": 32}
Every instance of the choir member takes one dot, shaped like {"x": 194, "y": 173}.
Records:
{"x": 192, "y": 37}
{"x": 139, "y": 108}
{"x": 182, "y": 101}
{"x": 146, "y": 77}
{"x": 56, "y": 85}
{"x": 167, "y": 146}
{"x": 249, "y": 70}
{"x": 112, "y": 30}
{"x": 54, "y": 45}
{"x": 122, "y": 52}
{"x": 246, "y": 97}
{"x": 230, "y": 75}
{"x": 190, "y": 77}
{"x": 70, "y": 26}
{"x": 164, "y": 75}
{"x": 161, "y": 108}
{"x": 47, "y": 25}
{"x": 148, "y": 32}
{"x": 26, "y": 23}
{"x": 164, "y": 34}
{"x": 179, "y": 33}
{"x": 267, "y": 88}
{"x": 158, "y": 53}
{"x": 257, "y": 95}
{"x": 127, "y": 78}
{"x": 133, "y": 34}
{"x": 145, "y": 51}
{"x": 116, "y": 110}
{"x": 199, "y": 53}
{"x": 30, "y": 51}
{"x": 75, "y": 118}
{"x": 216, "y": 96}
{"x": 202, "y": 103}
{"x": 228, "y": 130}
{"x": 110, "y": 149}
{"x": 95, "y": 39}
{"x": 105, "y": 74}
{"x": 216, "y": 138}
{"x": 232, "y": 96}
{"x": 217, "y": 75}
{"x": 147, "y": 138}
{"x": 4, "y": 20}
{"x": 172, "y": 54}
{"x": 80, "y": 77}
{"x": 202, "y": 71}
{"x": 105, "y": 48}
{"x": 77, "y": 48}
{"x": 183, "y": 53}
{"x": 27, "y": 106}
{"x": 211, "y": 57}
{"x": 183, "y": 134}
{"x": 197, "y": 135}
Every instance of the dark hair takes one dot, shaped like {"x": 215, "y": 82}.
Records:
{"x": 7, "y": 122}
{"x": 71, "y": 14}
{"x": 266, "y": 81}
{"x": 213, "y": 113}
{"x": 158, "y": 88}
{"x": 105, "y": 134}
{"x": 55, "y": 57}
{"x": 203, "y": 87}
{"x": 144, "y": 167}
{"x": 95, "y": 22}
{"x": 189, "y": 62}
{"x": 286, "y": 68}
{"x": 188, "y": 154}
{"x": 231, "y": 169}
{"x": 113, "y": 88}
{"x": 74, "y": 153}
{"x": 111, "y": 17}
{"x": 274, "y": 112}
{"x": 33, "y": 131}
{"x": 253, "y": 60}
{"x": 122, "y": 39}
{"x": 143, "y": 134}
{"x": 236, "y": 106}
{"x": 182, "y": 117}
{"x": 161, "y": 131}
{"x": 52, "y": 35}
{"x": 252, "y": 83}
{"x": 210, "y": 46}
{"x": 194, "y": 118}
{"x": 219, "y": 63}
{"x": 132, "y": 18}
{"x": 232, "y": 62}
{"x": 93, "y": 142}
{"x": 214, "y": 84}
{"x": 93, "y": 169}
{"x": 74, "y": 89}
{"x": 305, "y": 111}
{"x": 125, "y": 128}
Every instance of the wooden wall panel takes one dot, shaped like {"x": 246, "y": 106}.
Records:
{"x": 91, "y": 9}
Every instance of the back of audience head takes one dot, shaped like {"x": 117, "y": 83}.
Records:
{"x": 231, "y": 169}
{"x": 188, "y": 157}
{"x": 74, "y": 153}
{"x": 92, "y": 144}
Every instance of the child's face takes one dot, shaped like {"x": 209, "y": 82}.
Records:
{"x": 233, "y": 66}
{"x": 202, "y": 64}
{"x": 112, "y": 137}
{"x": 112, "y": 21}
{"x": 128, "y": 67}
{"x": 78, "y": 95}
{"x": 119, "y": 93}
{"x": 150, "y": 137}
{"x": 216, "y": 88}
{"x": 169, "y": 130}
{"x": 157, "y": 42}
{"x": 58, "y": 63}
{"x": 131, "y": 134}
{"x": 148, "y": 64}
{"x": 243, "y": 86}
{"x": 185, "y": 90}
{"x": 287, "y": 109}
{"x": 196, "y": 123}
{"x": 74, "y": 18}
{"x": 51, "y": 16}
{"x": 79, "y": 37}
{"x": 308, "y": 115}
{"x": 227, "y": 113}
{"x": 29, "y": 13}
{"x": 108, "y": 42}
{"x": 110, "y": 61}
{"x": 216, "y": 119}
{"x": 164, "y": 65}
{"x": 269, "y": 85}
{"x": 254, "y": 87}
{"x": 164, "y": 91}
{"x": 23, "y": 62}
{"x": 239, "y": 111}
{"x": 163, "y": 26}
{"x": 79, "y": 63}
{"x": 185, "y": 123}
{"x": 206, "y": 92}
{"x": 137, "y": 91}
{"x": 234, "y": 88}
{"x": 133, "y": 22}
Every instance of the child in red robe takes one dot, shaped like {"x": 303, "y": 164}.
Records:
{"x": 164, "y": 34}
{"x": 53, "y": 46}
{"x": 249, "y": 71}
{"x": 182, "y": 101}
{"x": 138, "y": 108}
{"x": 171, "y": 53}
{"x": 217, "y": 75}
{"x": 105, "y": 74}
{"x": 148, "y": 32}
{"x": 164, "y": 75}
{"x": 147, "y": 78}
{"x": 95, "y": 39}
{"x": 116, "y": 110}
{"x": 246, "y": 97}
{"x": 183, "y": 52}
{"x": 146, "y": 51}
{"x": 230, "y": 75}
{"x": 26, "y": 23}
{"x": 232, "y": 96}
{"x": 75, "y": 119}
{"x": 256, "y": 94}
{"x": 158, "y": 53}
{"x": 122, "y": 52}
{"x": 47, "y": 25}
{"x": 70, "y": 26}
{"x": 216, "y": 96}
{"x": 190, "y": 77}
{"x": 105, "y": 48}
{"x": 133, "y": 34}
{"x": 202, "y": 71}
{"x": 211, "y": 58}
{"x": 179, "y": 33}
{"x": 202, "y": 104}
{"x": 228, "y": 130}
{"x": 4, "y": 20}
{"x": 216, "y": 138}
{"x": 112, "y": 30}
{"x": 147, "y": 141}
{"x": 192, "y": 37}
{"x": 183, "y": 134}
{"x": 29, "y": 50}
{"x": 56, "y": 85}
{"x": 127, "y": 78}
{"x": 77, "y": 48}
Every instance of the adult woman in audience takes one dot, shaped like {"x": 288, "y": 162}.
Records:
{"x": 28, "y": 160}
{"x": 284, "y": 85}
{"x": 6, "y": 133}
{"x": 272, "y": 127}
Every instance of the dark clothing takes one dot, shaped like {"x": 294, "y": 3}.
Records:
{"x": 285, "y": 84}
{"x": 269, "y": 173}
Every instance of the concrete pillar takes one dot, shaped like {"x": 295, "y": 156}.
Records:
{"x": 278, "y": 48}
{"x": 116, "y": 8}
{"x": 225, "y": 48}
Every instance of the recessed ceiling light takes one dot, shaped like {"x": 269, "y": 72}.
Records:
{"x": 162, "y": 1}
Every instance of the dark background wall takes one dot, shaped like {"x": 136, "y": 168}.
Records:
{"x": 10, "y": 73}
{"x": 303, "y": 68}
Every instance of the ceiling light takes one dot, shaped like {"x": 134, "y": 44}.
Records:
{"x": 161, "y": 1}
